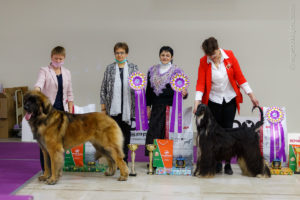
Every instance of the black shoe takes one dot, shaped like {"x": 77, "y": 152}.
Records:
{"x": 228, "y": 169}
{"x": 219, "y": 167}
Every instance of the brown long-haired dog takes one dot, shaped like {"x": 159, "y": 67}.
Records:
{"x": 56, "y": 131}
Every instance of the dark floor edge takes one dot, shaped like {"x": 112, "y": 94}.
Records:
{"x": 26, "y": 183}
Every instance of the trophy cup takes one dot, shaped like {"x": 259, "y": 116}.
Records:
{"x": 133, "y": 148}
{"x": 150, "y": 148}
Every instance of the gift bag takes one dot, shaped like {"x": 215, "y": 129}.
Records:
{"x": 273, "y": 135}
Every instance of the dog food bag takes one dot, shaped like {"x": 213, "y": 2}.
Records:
{"x": 292, "y": 158}
{"x": 163, "y": 154}
{"x": 297, "y": 151}
{"x": 294, "y": 143}
{"x": 273, "y": 135}
{"x": 74, "y": 157}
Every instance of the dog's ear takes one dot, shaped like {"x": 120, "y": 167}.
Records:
{"x": 46, "y": 107}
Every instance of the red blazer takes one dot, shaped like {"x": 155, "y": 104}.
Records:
{"x": 235, "y": 76}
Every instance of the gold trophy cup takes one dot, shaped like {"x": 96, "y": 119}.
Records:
{"x": 150, "y": 148}
{"x": 133, "y": 148}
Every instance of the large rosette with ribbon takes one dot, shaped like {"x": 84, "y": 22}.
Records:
{"x": 275, "y": 115}
{"x": 179, "y": 82}
{"x": 137, "y": 81}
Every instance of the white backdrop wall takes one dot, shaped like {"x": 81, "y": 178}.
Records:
{"x": 262, "y": 33}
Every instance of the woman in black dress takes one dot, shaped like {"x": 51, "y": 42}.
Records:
{"x": 159, "y": 94}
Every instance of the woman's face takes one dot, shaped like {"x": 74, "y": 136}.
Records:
{"x": 215, "y": 57}
{"x": 57, "y": 58}
{"x": 120, "y": 54}
{"x": 165, "y": 57}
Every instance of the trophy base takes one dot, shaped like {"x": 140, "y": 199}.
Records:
{"x": 132, "y": 174}
{"x": 150, "y": 173}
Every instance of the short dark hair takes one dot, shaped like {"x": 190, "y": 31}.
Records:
{"x": 121, "y": 45}
{"x": 210, "y": 45}
{"x": 166, "y": 48}
{"x": 59, "y": 50}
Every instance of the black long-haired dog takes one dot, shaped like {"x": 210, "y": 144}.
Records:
{"x": 216, "y": 144}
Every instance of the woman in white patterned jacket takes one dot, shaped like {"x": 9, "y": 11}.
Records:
{"x": 117, "y": 99}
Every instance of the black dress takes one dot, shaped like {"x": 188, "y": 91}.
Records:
{"x": 159, "y": 95}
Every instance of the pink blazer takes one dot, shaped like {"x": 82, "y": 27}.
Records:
{"x": 47, "y": 81}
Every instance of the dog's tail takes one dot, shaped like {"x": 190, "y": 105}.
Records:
{"x": 261, "y": 122}
{"x": 238, "y": 123}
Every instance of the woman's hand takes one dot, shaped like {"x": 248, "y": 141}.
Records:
{"x": 103, "y": 108}
{"x": 148, "y": 112}
{"x": 197, "y": 102}
{"x": 184, "y": 93}
{"x": 37, "y": 89}
{"x": 70, "y": 106}
{"x": 253, "y": 99}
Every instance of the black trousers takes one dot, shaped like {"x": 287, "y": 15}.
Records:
{"x": 126, "y": 134}
{"x": 223, "y": 113}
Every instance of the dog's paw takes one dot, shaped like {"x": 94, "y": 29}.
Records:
{"x": 43, "y": 178}
{"x": 263, "y": 176}
{"x": 208, "y": 176}
{"x": 60, "y": 173}
{"x": 122, "y": 178}
{"x": 51, "y": 181}
{"x": 197, "y": 174}
{"x": 109, "y": 173}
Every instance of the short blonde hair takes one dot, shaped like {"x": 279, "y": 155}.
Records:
{"x": 59, "y": 50}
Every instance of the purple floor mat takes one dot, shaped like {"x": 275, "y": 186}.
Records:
{"x": 14, "y": 173}
{"x": 18, "y": 163}
{"x": 19, "y": 150}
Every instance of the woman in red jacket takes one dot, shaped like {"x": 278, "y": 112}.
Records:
{"x": 218, "y": 86}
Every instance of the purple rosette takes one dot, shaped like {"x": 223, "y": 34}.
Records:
{"x": 275, "y": 115}
{"x": 137, "y": 81}
{"x": 179, "y": 82}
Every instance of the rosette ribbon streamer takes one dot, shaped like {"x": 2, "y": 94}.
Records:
{"x": 137, "y": 81}
{"x": 275, "y": 115}
{"x": 179, "y": 82}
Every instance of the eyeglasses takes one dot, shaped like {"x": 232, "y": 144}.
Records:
{"x": 120, "y": 53}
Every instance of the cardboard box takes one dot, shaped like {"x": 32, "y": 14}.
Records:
{"x": 3, "y": 106}
{"x": 7, "y": 118}
{"x": 283, "y": 171}
{"x": 3, "y": 128}
{"x": 8, "y": 110}
{"x": 174, "y": 171}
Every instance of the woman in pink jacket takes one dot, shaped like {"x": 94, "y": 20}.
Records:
{"x": 55, "y": 82}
